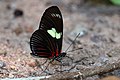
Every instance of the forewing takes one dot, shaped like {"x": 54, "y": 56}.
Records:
{"x": 52, "y": 19}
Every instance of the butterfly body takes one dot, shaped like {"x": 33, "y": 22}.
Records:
{"x": 46, "y": 42}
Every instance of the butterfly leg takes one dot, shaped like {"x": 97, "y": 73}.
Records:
{"x": 44, "y": 70}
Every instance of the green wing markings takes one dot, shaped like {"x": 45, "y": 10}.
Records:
{"x": 54, "y": 34}
{"x": 58, "y": 35}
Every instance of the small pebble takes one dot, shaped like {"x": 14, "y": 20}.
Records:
{"x": 79, "y": 29}
{"x": 29, "y": 29}
{"x": 18, "y": 13}
{"x": 11, "y": 75}
{"x": 2, "y": 52}
{"x": 18, "y": 30}
{"x": 2, "y": 64}
{"x": 32, "y": 63}
{"x": 13, "y": 67}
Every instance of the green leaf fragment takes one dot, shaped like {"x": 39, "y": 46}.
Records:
{"x": 116, "y": 2}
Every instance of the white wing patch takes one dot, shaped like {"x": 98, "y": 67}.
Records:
{"x": 54, "y": 34}
{"x": 55, "y": 15}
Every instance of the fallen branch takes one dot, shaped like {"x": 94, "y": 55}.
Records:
{"x": 86, "y": 72}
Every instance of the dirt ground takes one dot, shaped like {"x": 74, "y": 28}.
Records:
{"x": 99, "y": 23}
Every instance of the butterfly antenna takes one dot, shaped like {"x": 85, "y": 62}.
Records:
{"x": 75, "y": 49}
{"x": 72, "y": 43}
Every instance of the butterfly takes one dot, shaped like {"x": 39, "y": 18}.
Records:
{"x": 46, "y": 42}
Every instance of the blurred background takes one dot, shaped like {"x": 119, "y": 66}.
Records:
{"x": 98, "y": 20}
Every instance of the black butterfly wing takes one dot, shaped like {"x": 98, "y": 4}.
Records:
{"x": 42, "y": 43}
{"x": 39, "y": 44}
{"x": 52, "y": 18}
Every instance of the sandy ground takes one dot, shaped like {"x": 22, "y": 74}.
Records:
{"x": 99, "y": 23}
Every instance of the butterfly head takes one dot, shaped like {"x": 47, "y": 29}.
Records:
{"x": 63, "y": 54}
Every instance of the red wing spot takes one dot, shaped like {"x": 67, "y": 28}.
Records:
{"x": 52, "y": 55}
{"x": 57, "y": 52}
